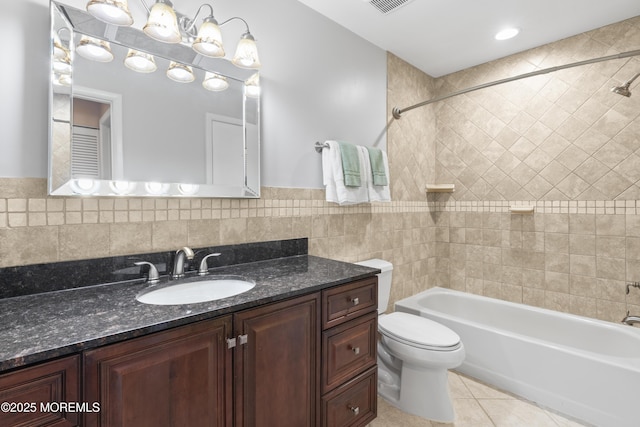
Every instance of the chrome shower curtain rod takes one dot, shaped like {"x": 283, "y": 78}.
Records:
{"x": 397, "y": 112}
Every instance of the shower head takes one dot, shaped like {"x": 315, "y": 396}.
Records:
{"x": 624, "y": 89}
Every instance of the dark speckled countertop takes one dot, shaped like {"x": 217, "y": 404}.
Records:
{"x": 34, "y": 328}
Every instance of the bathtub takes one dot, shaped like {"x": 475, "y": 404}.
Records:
{"x": 584, "y": 368}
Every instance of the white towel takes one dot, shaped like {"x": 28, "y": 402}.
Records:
{"x": 327, "y": 171}
{"x": 333, "y": 177}
{"x": 376, "y": 193}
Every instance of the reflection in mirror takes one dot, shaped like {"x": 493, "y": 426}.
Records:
{"x": 121, "y": 126}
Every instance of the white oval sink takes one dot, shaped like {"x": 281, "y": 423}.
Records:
{"x": 200, "y": 289}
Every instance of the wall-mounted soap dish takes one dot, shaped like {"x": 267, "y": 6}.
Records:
{"x": 441, "y": 188}
{"x": 522, "y": 209}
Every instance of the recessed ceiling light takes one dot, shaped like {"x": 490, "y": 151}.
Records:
{"x": 507, "y": 33}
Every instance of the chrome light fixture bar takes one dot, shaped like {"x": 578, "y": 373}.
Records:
{"x": 167, "y": 25}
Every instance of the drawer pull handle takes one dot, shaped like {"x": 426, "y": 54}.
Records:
{"x": 355, "y": 301}
{"x": 354, "y": 409}
{"x": 356, "y": 350}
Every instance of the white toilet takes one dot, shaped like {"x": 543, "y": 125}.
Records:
{"x": 414, "y": 354}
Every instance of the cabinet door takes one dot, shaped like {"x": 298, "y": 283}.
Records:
{"x": 278, "y": 369}
{"x": 180, "y": 377}
{"x": 28, "y": 392}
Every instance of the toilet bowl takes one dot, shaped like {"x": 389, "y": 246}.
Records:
{"x": 414, "y": 356}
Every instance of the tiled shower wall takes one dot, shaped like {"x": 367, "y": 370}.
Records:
{"x": 561, "y": 142}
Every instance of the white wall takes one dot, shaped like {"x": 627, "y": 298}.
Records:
{"x": 319, "y": 82}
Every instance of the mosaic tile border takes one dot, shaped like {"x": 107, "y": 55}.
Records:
{"x": 34, "y": 212}
{"x": 595, "y": 207}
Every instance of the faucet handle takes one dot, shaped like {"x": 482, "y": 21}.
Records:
{"x": 154, "y": 277}
{"x": 204, "y": 267}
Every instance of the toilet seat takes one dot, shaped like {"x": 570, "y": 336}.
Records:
{"x": 418, "y": 332}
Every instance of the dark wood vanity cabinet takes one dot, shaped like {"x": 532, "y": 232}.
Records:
{"x": 266, "y": 367}
{"x": 33, "y": 396}
{"x": 278, "y": 369}
{"x": 304, "y": 361}
{"x": 179, "y": 377}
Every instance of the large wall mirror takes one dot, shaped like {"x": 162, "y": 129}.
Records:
{"x": 115, "y": 131}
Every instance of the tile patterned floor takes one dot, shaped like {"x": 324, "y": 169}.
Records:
{"x": 477, "y": 405}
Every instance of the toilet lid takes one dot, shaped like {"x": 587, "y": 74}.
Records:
{"x": 417, "y": 331}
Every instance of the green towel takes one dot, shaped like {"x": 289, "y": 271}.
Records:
{"x": 350, "y": 164}
{"x": 377, "y": 166}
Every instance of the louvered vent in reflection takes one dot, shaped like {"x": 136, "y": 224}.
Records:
{"x": 387, "y": 6}
{"x": 85, "y": 153}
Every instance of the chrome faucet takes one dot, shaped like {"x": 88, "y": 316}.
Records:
{"x": 630, "y": 320}
{"x": 178, "y": 262}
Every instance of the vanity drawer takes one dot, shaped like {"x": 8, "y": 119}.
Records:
{"x": 353, "y": 404}
{"x": 348, "y": 350}
{"x": 343, "y": 303}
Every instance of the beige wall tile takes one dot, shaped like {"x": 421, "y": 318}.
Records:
{"x": 130, "y": 238}
{"x": 169, "y": 235}
{"x": 84, "y": 241}
{"x": 28, "y": 245}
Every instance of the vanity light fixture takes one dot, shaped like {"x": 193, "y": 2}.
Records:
{"x": 140, "y": 62}
{"x": 246, "y": 55}
{"x": 507, "y": 33}
{"x": 94, "y": 49}
{"x": 180, "y": 73}
{"x": 162, "y": 24}
{"x": 114, "y": 12}
{"x": 167, "y": 25}
{"x": 209, "y": 40}
{"x": 214, "y": 82}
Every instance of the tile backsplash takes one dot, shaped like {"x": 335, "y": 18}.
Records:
{"x": 36, "y": 228}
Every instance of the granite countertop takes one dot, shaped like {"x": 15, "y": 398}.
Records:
{"x": 42, "y": 326}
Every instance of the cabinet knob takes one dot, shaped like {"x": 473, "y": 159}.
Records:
{"x": 356, "y": 350}
{"x": 354, "y": 409}
{"x": 355, "y": 301}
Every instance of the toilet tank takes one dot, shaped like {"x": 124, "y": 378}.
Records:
{"x": 384, "y": 280}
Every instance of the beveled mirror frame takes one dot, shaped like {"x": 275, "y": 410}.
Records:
{"x": 61, "y": 182}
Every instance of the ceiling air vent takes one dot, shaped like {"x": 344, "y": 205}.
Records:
{"x": 388, "y": 6}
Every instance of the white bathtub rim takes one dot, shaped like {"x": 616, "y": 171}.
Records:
{"x": 623, "y": 362}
